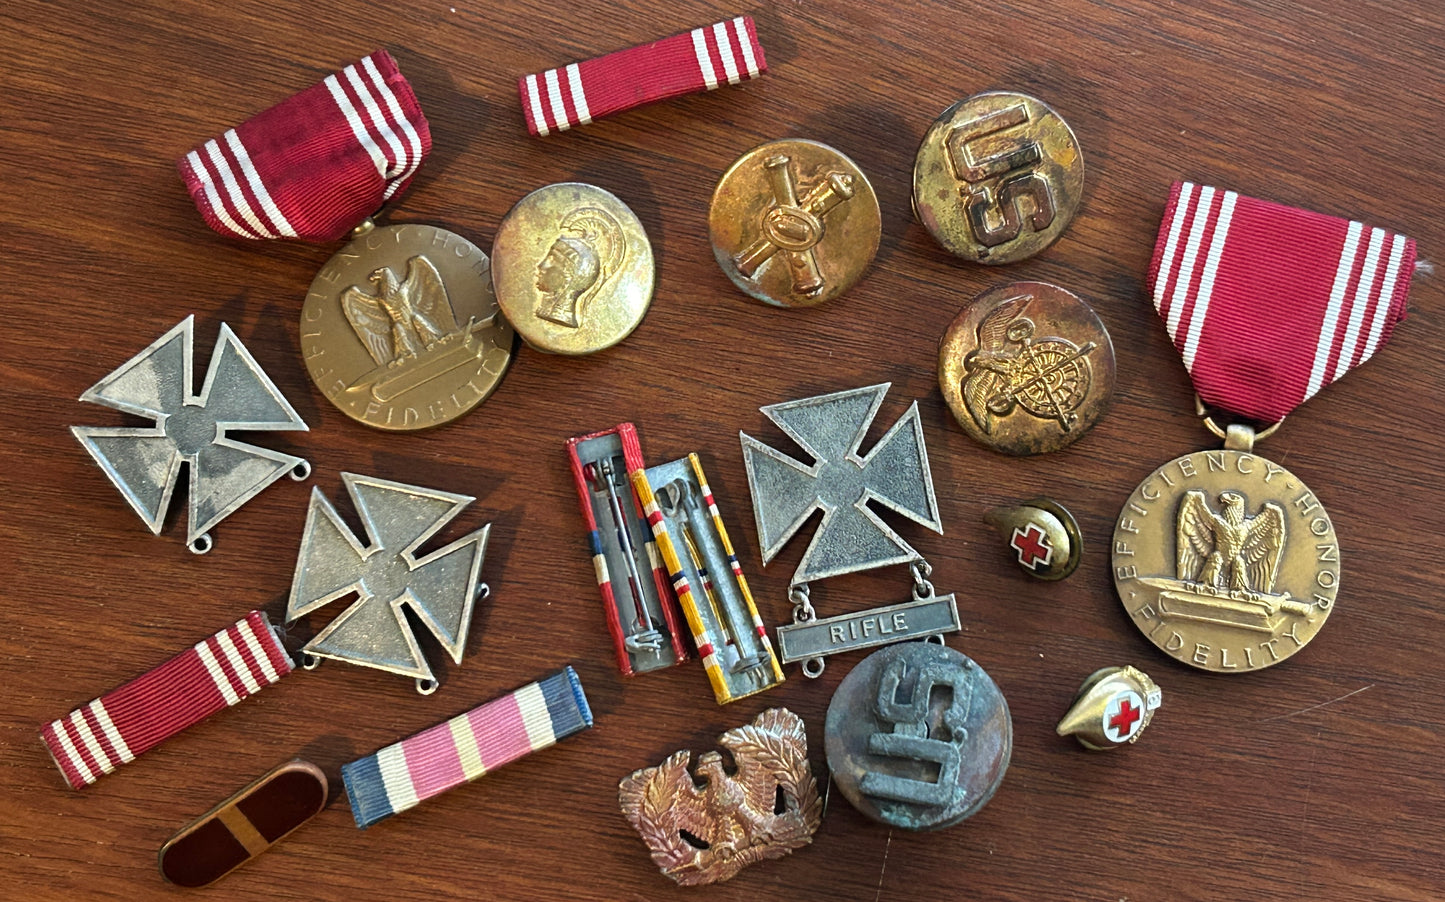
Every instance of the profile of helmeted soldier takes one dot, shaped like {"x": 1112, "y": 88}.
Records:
{"x": 588, "y": 250}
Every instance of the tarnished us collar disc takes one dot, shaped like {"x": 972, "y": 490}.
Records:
{"x": 794, "y": 223}
{"x": 573, "y": 269}
{"x": 400, "y": 328}
{"x": 1226, "y": 561}
{"x": 918, "y": 736}
{"x": 998, "y": 177}
{"x": 1026, "y": 368}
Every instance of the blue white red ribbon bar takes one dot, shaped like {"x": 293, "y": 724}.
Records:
{"x": 218, "y": 672}
{"x": 725, "y": 52}
{"x": 464, "y": 748}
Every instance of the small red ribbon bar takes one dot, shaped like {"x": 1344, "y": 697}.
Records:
{"x": 698, "y": 60}
{"x": 1267, "y": 304}
{"x": 217, "y": 672}
{"x": 316, "y": 164}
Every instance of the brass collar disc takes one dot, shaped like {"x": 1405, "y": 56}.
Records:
{"x": 998, "y": 177}
{"x": 794, "y": 223}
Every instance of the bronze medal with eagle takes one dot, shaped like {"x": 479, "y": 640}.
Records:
{"x": 401, "y": 330}
{"x": 1226, "y": 561}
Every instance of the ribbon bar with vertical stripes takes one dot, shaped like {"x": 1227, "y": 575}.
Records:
{"x": 219, "y": 671}
{"x": 698, "y": 60}
{"x": 1267, "y": 304}
{"x": 315, "y": 165}
{"x": 464, "y": 748}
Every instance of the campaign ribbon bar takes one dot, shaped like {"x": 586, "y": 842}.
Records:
{"x": 703, "y": 59}
{"x": 217, "y": 672}
{"x": 466, "y": 747}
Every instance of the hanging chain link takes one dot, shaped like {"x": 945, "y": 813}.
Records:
{"x": 921, "y": 570}
{"x": 803, "y": 611}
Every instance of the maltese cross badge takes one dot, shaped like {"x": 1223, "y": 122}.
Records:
{"x": 144, "y": 462}
{"x": 846, "y": 485}
{"x": 440, "y": 588}
{"x": 840, "y": 483}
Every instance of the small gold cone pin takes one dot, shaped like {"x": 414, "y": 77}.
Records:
{"x": 1112, "y": 707}
{"x": 1042, "y": 535}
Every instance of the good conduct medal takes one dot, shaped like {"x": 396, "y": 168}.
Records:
{"x": 1226, "y": 560}
{"x": 400, "y": 329}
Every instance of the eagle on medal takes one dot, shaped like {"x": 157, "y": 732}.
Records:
{"x": 986, "y": 389}
{"x": 1229, "y": 551}
{"x": 404, "y": 318}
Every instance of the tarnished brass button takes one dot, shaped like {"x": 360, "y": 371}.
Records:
{"x": 573, "y": 269}
{"x": 1026, "y": 368}
{"x": 918, "y": 736}
{"x": 794, "y": 223}
{"x": 998, "y": 177}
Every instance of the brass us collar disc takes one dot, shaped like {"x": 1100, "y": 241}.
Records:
{"x": 573, "y": 269}
{"x": 400, "y": 329}
{"x": 998, "y": 177}
{"x": 1026, "y": 368}
{"x": 794, "y": 223}
{"x": 1226, "y": 561}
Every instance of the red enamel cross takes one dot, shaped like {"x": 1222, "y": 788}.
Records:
{"x": 1032, "y": 545}
{"x": 1124, "y": 721}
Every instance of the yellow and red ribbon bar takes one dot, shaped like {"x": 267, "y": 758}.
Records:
{"x": 705, "y": 58}
{"x": 217, "y": 672}
{"x": 1267, "y": 304}
{"x": 315, "y": 165}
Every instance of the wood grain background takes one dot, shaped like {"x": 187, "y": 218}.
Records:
{"x": 1317, "y": 779}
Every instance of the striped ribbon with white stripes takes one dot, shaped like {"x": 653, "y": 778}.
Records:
{"x": 698, "y": 60}
{"x": 217, "y": 672}
{"x": 318, "y": 163}
{"x": 1267, "y": 304}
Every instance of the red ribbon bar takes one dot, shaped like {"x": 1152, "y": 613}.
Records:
{"x": 698, "y": 60}
{"x": 316, "y": 164}
{"x": 1267, "y": 304}
{"x": 218, "y": 672}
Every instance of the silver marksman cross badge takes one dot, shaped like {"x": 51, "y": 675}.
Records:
{"x": 440, "y": 588}
{"x": 144, "y": 463}
{"x": 846, "y": 485}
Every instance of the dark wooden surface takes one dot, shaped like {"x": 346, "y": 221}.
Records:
{"x": 1318, "y": 779}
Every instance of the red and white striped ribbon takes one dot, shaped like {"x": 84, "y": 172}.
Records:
{"x": 316, "y": 164}
{"x": 218, "y": 672}
{"x": 698, "y": 60}
{"x": 1267, "y": 304}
